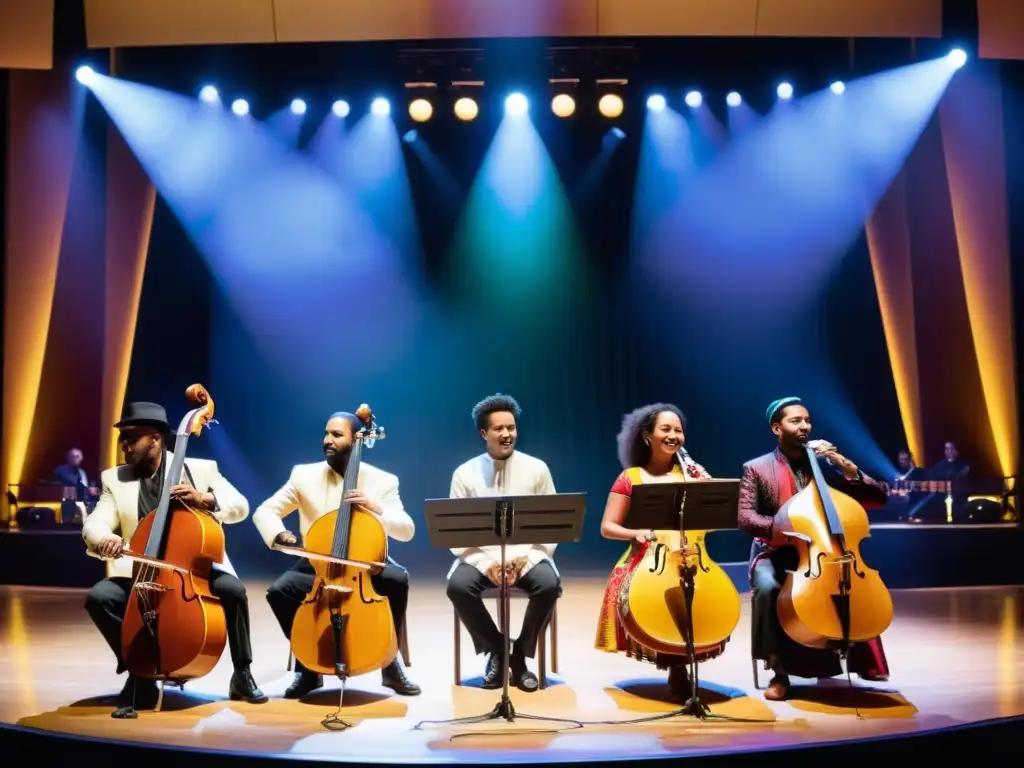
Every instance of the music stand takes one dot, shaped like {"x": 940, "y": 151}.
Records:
{"x": 555, "y": 518}
{"x": 698, "y": 505}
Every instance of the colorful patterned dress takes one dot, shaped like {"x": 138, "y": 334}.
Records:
{"x": 611, "y": 636}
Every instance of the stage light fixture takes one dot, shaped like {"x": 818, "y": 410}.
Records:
{"x": 694, "y": 99}
{"x": 516, "y": 104}
{"x": 298, "y": 107}
{"x": 420, "y": 110}
{"x": 340, "y": 108}
{"x": 563, "y": 105}
{"x": 208, "y": 94}
{"x": 380, "y": 107}
{"x": 610, "y": 105}
{"x": 733, "y": 99}
{"x": 240, "y": 107}
{"x": 838, "y": 87}
{"x": 656, "y": 102}
{"x": 784, "y": 91}
{"x": 466, "y": 108}
{"x": 957, "y": 57}
{"x": 85, "y": 74}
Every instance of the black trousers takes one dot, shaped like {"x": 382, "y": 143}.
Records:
{"x": 107, "y": 601}
{"x": 465, "y": 587}
{"x": 287, "y": 593}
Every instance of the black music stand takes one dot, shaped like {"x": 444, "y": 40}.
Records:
{"x": 698, "y": 505}
{"x": 555, "y": 518}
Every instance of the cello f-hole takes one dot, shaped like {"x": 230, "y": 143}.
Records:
{"x": 700, "y": 559}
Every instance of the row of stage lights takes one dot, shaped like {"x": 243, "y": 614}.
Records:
{"x": 610, "y": 105}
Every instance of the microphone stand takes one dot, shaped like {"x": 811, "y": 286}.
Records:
{"x": 694, "y": 706}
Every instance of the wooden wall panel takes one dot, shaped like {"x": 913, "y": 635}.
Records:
{"x": 850, "y": 18}
{"x": 1001, "y": 29}
{"x": 127, "y": 23}
{"x": 26, "y": 34}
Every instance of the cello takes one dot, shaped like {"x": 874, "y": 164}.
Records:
{"x": 652, "y": 603}
{"x": 833, "y": 599}
{"x": 344, "y": 627}
{"x": 174, "y": 629}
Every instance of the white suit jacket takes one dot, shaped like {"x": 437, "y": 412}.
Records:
{"x": 316, "y": 489}
{"x": 117, "y": 510}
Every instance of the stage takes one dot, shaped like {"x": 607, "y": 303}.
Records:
{"x": 955, "y": 655}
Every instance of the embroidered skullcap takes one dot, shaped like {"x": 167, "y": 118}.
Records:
{"x": 778, "y": 405}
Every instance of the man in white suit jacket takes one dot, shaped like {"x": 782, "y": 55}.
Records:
{"x": 503, "y": 471}
{"x": 315, "y": 490}
{"x": 132, "y": 490}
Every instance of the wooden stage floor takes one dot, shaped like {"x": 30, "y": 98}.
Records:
{"x": 955, "y": 655}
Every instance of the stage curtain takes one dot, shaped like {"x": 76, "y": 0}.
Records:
{"x": 971, "y": 116}
{"x": 43, "y": 114}
{"x": 131, "y": 199}
{"x": 888, "y": 239}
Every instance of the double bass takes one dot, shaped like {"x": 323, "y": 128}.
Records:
{"x": 174, "y": 629}
{"x": 833, "y": 599}
{"x": 652, "y": 604}
{"x": 344, "y": 627}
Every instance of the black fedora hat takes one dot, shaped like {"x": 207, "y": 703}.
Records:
{"x": 142, "y": 414}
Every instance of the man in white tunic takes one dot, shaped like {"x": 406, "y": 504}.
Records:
{"x": 503, "y": 471}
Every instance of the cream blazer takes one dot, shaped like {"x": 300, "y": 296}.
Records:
{"x": 117, "y": 510}
{"x": 316, "y": 489}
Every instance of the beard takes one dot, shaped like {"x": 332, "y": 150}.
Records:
{"x": 338, "y": 460}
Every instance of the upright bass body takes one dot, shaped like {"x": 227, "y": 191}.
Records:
{"x": 174, "y": 629}
{"x": 347, "y": 592}
{"x": 832, "y": 598}
{"x": 652, "y": 606}
{"x": 189, "y": 617}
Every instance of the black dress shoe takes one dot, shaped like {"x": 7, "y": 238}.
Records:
{"x": 304, "y": 683}
{"x": 492, "y": 673}
{"x": 522, "y": 677}
{"x": 393, "y": 677}
{"x": 137, "y": 694}
{"x": 243, "y": 688}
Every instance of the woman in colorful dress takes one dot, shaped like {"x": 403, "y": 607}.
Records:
{"x": 648, "y": 446}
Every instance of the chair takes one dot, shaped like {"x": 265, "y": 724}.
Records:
{"x": 542, "y": 642}
{"x": 753, "y": 635}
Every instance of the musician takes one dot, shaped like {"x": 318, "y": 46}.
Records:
{"x": 768, "y": 482}
{"x": 647, "y": 446}
{"x": 131, "y": 491}
{"x": 315, "y": 490}
{"x": 503, "y": 471}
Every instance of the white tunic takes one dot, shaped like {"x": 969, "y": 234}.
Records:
{"x": 518, "y": 475}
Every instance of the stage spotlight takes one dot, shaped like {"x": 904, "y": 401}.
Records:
{"x": 85, "y": 74}
{"x": 410, "y": 136}
{"x": 420, "y": 110}
{"x": 340, "y": 108}
{"x": 733, "y": 99}
{"x": 516, "y": 104}
{"x": 240, "y": 107}
{"x": 298, "y": 107}
{"x": 694, "y": 99}
{"x": 563, "y": 105}
{"x": 838, "y": 87}
{"x": 466, "y": 108}
{"x": 656, "y": 102}
{"x": 209, "y": 94}
{"x": 380, "y": 107}
{"x": 957, "y": 57}
{"x": 610, "y": 105}
{"x": 784, "y": 91}
{"x": 617, "y": 133}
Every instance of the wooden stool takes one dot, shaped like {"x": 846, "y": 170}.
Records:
{"x": 403, "y": 648}
{"x": 542, "y": 641}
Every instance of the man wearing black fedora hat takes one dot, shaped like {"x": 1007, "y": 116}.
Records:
{"x": 130, "y": 492}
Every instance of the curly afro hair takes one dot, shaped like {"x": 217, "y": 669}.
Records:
{"x": 633, "y": 452}
{"x": 498, "y": 403}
